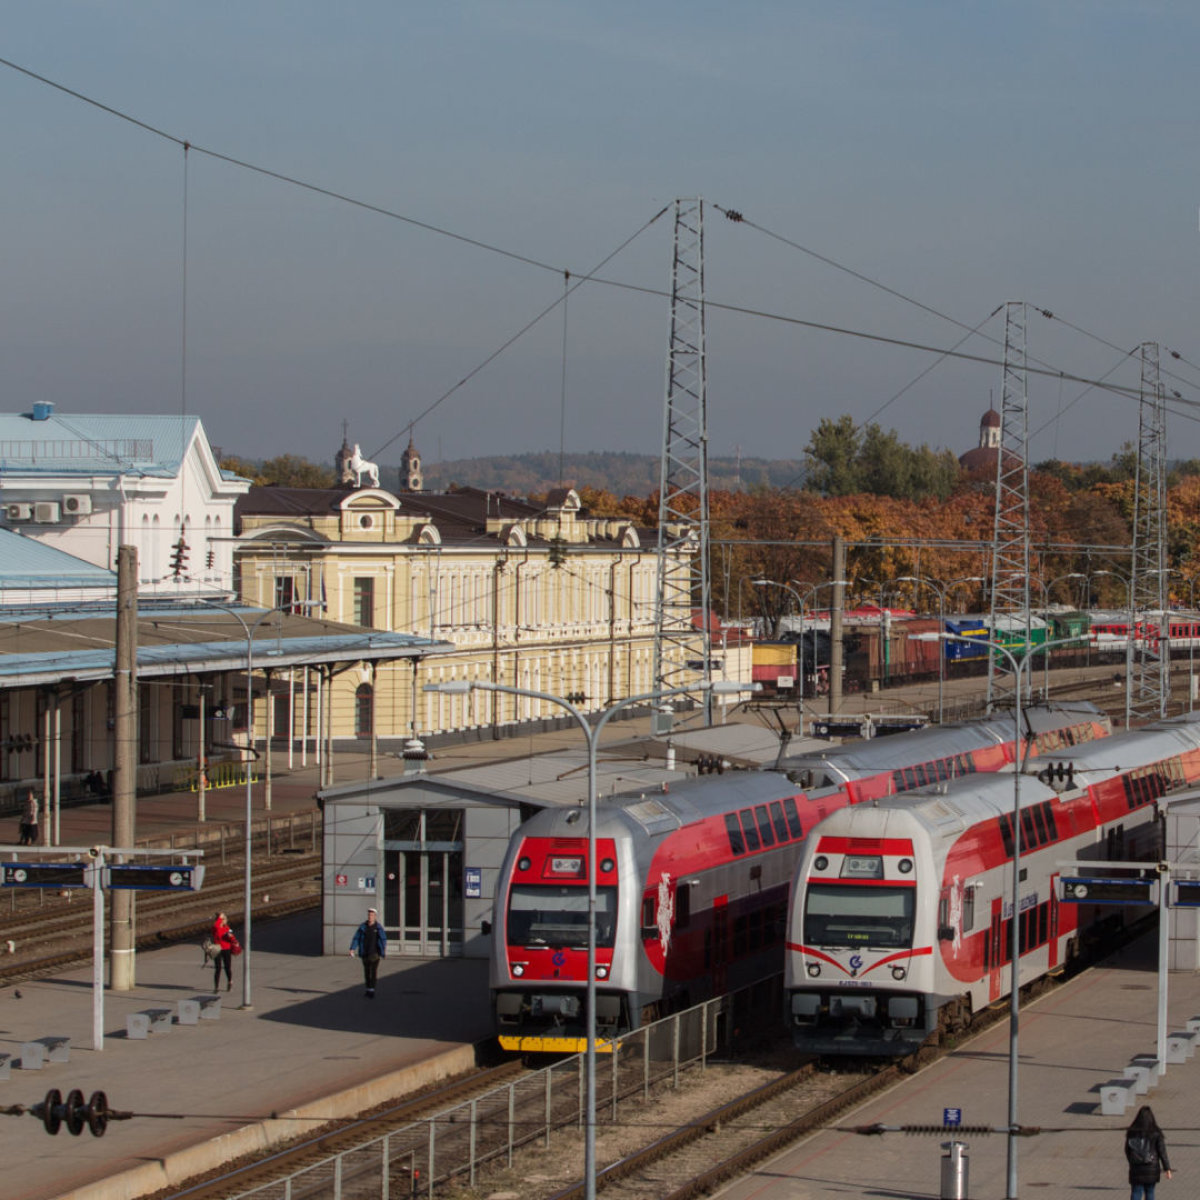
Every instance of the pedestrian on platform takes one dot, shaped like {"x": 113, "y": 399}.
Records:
{"x": 1146, "y": 1153}
{"x": 370, "y": 944}
{"x": 29, "y": 819}
{"x": 226, "y": 946}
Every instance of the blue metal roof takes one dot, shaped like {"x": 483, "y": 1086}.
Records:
{"x": 26, "y": 563}
{"x": 94, "y": 444}
{"x": 28, "y": 670}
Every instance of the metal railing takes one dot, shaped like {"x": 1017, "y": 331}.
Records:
{"x": 454, "y": 1144}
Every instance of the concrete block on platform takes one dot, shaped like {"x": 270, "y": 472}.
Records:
{"x": 1139, "y": 1075}
{"x": 1180, "y": 1047}
{"x": 36, "y": 1054}
{"x": 1193, "y": 1025}
{"x": 189, "y": 1012}
{"x": 1153, "y": 1066}
{"x": 1115, "y": 1097}
{"x": 5, "y": 1066}
{"x": 141, "y": 1025}
{"x": 210, "y": 1007}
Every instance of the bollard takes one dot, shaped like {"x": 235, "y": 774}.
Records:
{"x": 954, "y": 1171}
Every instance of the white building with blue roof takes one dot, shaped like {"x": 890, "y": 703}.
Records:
{"x": 86, "y": 483}
{"x": 33, "y": 575}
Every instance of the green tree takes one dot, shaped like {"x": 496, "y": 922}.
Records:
{"x": 832, "y": 457}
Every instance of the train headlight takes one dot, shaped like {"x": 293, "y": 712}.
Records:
{"x": 518, "y": 969}
{"x": 601, "y": 972}
{"x": 904, "y": 866}
{"x": 522, "y": 864}
{"x": 606, "y": 865}
{"x": 820, "y": 862}
{"x": 814, "y": 969}
{"x": 899, "y": 973}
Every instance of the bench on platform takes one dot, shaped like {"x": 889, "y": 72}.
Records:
{"x": 35, "y": 1054}
{"x": 1153, "y": 1066}
{"x": 1115, "y": 1097}
{"x": 1139, "y": 1075}
{"x": 141, "y": 1025}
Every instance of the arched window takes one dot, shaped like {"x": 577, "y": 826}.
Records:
{"x": 364, "y": 711}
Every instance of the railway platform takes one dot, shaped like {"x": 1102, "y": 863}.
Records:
{"x": 313, "y": 1048}
{"x": 1071, "y": 1041}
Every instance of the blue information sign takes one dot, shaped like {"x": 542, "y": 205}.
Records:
{"x": 951, "y": 1116}
{"x": 473, "y": 883}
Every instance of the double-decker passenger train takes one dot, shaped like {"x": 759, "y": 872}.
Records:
{"x": 692, "y": 884}
{"x": 900, "y": 921}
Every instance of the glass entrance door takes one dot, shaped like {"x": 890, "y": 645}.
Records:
{"x": 423, "y": 901}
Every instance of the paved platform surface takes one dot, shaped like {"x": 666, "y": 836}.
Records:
{"x": 1071, "y": 1041}
{"x": 312, "y": 1033}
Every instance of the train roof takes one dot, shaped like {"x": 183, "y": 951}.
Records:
{"x": 872, "y": 755}
{"x": 656, "y": 812}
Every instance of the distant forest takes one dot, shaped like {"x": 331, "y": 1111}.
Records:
{"x": 621, "y": 474}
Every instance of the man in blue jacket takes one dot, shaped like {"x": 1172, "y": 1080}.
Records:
{"x": 370, "y": 944}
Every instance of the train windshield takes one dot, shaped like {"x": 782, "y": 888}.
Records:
{"x": 838, "y": 914}
{"x": 540, "y": 915}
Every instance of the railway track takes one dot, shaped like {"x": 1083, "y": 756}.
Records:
{"x": 57, "y": 933}
{"x": 316, "y": 1153}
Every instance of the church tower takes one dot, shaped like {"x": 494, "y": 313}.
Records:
{"x": 341, "y": 460}
{"x": 410, "y": 468}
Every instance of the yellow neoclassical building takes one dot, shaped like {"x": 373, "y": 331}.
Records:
{"x": 544, "y": 598}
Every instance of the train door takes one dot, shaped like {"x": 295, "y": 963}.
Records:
{"x": 720, "y": 945}
{"x": 996, "y": 951}
{"x": 1052, "y": 943}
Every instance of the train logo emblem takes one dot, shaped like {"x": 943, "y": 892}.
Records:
{"x": 666, "y": 912}
{"x": 559, "y": 958}
{"x": 855, "y": 964}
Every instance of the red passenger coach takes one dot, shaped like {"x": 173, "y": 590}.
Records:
{"x": 692, "y": 884}
{"x": 901, "y": 923}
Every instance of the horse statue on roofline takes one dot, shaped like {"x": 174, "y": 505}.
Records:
{"x": 361, "y": 466}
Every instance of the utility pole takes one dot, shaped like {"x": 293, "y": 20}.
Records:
{"x": 835, "y": 627}
{"x": 1010, "y": 537}
{"x": 125, "y": 733}
{"x": 682, "y": 653}
{"x": 1148, "y": 665}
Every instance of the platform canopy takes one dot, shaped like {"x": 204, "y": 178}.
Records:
{"x": 41, "y": 647}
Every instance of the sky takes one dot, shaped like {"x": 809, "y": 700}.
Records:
{"x": 963, "y": 155}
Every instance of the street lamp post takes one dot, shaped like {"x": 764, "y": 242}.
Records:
{"x": 1017, "y": 666}
{"x": 591, "y": 733}
{"x": 801, "y": 601}
{"x": 249, "y": 629}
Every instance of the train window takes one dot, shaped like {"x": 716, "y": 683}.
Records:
{"x": 1006, "y": 834}
{"x": 778, "y": 820}
{"x": 737, "y": 844}
{"x": 648, "y": 921}
{"x": 739, "y": 936}
{"x": 1043, "y": 922}
{"x": 898, "y": 781}
{"x": 793, "y": 817}
{"x": 910, "y": 779}
{"x": 943, "y": 770}
{"x": 1051, "y": 823}
{"x": 943, "y": 911}
{"x": 764, "y": 825}
{"x": 968, "y": 910}
{"x": 1039, "y": 820}
{"x": 754, "y": 931}
{"x": 683, "y": 906}
{"x": 1028, "y": 834}
{"x": 748, "y": 830}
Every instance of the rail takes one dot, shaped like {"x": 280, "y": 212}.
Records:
{"x": 454, "y": 1143}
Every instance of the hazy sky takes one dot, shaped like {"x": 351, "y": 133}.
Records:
{"x": 963, "y": 154}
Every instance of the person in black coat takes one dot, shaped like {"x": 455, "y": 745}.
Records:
{"x": 370, "y": 944}
{"x": 1146, "y": 1153}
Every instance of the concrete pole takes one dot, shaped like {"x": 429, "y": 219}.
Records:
{"x": 47, "y": 818}
{"x": 835, "y": 626}
{"x": 125, "y": 735}
{"x": 270, "y": 723}
{"x": 201, "y": 765}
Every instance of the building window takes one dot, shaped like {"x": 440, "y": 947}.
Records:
{"x": 364, "y": 711}
{"x": 285, "y": 593}
{"x": 364, "y": 601}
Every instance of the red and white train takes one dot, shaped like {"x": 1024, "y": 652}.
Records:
{"x": 692, "y": 884}
{"x": 900, "y": 921}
